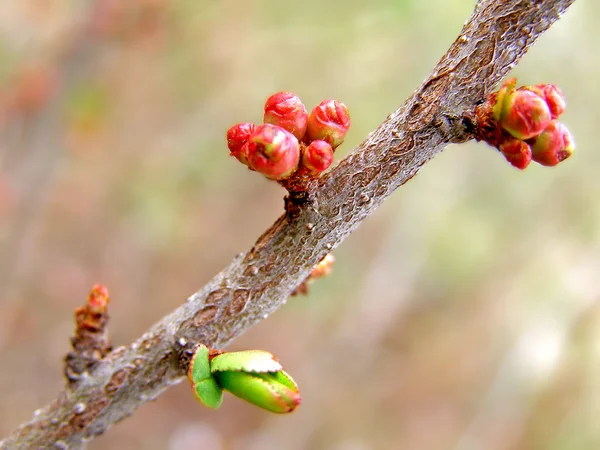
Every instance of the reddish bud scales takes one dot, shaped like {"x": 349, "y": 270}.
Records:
{"x": 317, "y": 156}
{"x": 324, "y": 268}
{"x": 273, "y": 151}
{"x": 329, "y": 121}
{"x": 516, "y": 152}
{"x": 287, "y": 111}
{"x": 98, "y": 298}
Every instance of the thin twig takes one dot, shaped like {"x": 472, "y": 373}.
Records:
{"x": 256, "y": 283}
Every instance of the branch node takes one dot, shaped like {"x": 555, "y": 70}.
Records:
{"x": 323, "y": 269}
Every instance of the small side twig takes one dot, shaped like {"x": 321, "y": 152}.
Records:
{"x": 90, "y": 342}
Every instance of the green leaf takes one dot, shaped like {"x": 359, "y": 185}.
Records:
{"x": 283, "y": 378}
{"x": 199, "y": 366}
{"x": 265, "y": 390}
{"x": 257, "y": 361}
{"x": 209, "y": 393}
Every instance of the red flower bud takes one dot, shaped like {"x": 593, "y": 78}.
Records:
{"x": 516, "y": 152}
{"x": 285, "y": 110}
{"x": 317, "y": 157}
{"x": 237, "y": 136}
{"x": 273, "y": 151}
{"x": 98, "y": 299}
{"x": 523, "y": 114}
{"x": 553, "y": 145}
{"x": 329, "y": 122}
{"x": 553, "y": 97}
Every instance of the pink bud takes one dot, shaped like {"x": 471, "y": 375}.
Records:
{"x": 524, "y": 114}
{"x": 273, "y": 151}
{"x": 237, "y": 136}
{"x": 516, "y": 152}
{"x": 554, "y": 98}
{"x": 329, "y": 122}
{"x": 98, "y": 299}
{"x": 317, "y": 157}
{"x": 554, "y": 145}
{"x": 285, "y": 110}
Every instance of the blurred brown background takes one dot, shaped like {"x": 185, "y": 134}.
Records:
{"x": 464, "y": 314}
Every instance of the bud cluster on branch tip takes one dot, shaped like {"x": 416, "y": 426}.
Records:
{"x": 291, "y": 140}
{"x": 527, "y": 116}
{"x": 252, "y": 375}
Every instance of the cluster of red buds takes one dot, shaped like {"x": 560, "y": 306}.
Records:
{"x": 522, "y": 123}
{"x": 290, "y": 141}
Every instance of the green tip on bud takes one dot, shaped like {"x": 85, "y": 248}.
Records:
{"x": 273, "y": 151}
{"x": 317, "y": 157}
{"x": 287, "y": 111}
{"x": 553, "y": 145}
{"x": 329, "y": 121}
{"x": 507, "y": 87}
{"x": 516, "y": 152}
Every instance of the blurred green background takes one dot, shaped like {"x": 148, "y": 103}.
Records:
{"x": 464, "y": 314}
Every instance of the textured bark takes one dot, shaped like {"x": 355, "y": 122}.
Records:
{"x": 256, "y": 283}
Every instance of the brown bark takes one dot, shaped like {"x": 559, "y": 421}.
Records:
{"x": 256, "y": 283}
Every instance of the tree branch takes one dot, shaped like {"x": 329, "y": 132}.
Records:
{"x": 256, "y": 283}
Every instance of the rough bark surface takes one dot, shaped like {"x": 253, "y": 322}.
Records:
{"x": 256, "y": 283}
